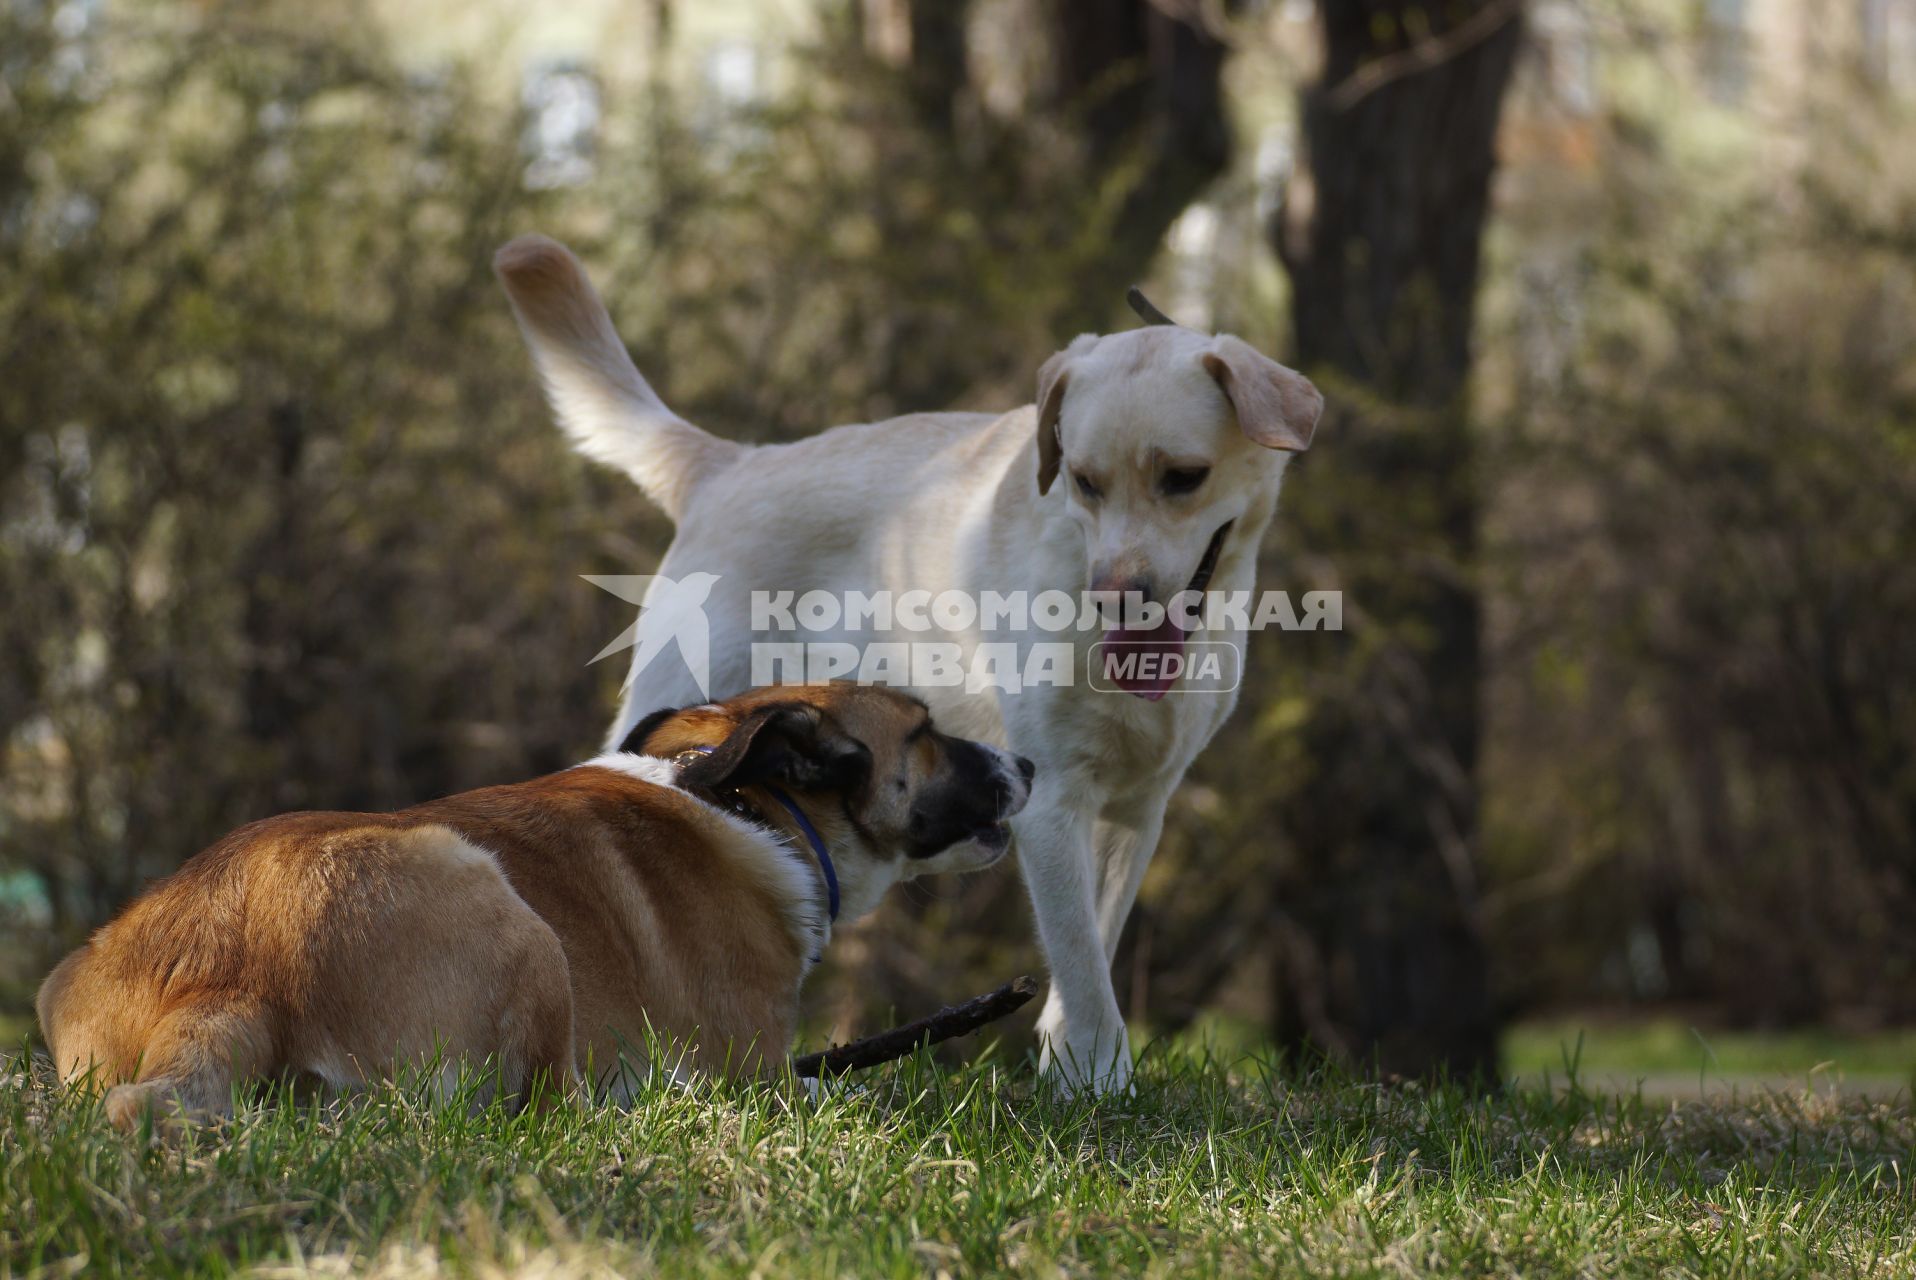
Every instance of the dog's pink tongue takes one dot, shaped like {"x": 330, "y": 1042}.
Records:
{"x": 1146, "y": 663}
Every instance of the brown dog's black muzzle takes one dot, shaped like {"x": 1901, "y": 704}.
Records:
{"x": 968, "y": 800}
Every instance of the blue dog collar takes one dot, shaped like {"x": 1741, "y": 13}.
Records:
{"x": 818, "y": 847}
{"x": 811, "y": 837}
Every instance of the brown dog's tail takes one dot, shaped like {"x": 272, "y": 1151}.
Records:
{"x": 115, "y": 1033}
{"x": 80, "y": 1049}
{"x": 191, "y": 1059}
{"x": 601, "y": 400}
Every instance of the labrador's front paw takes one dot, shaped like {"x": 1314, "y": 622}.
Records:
{"x": 1095, "y": 1060}
{"x": 820, "y": 1089}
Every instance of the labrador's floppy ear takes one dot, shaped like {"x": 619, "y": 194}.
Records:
{"x": 793, "y": 743}
{"x": 1276, "y": 407}
{"x": 1052, "y": 377}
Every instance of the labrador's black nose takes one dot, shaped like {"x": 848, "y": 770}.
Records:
{"x": 1028, "y": 769}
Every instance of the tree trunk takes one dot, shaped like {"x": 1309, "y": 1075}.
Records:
{"x": 1382, "y": 959}
{"x": 940, "y": 64}
{"x": 1137, "y": 90}
{"x": 1144, "y": 90}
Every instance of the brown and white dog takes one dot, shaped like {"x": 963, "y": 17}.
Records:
{"x": 679, "y": 889}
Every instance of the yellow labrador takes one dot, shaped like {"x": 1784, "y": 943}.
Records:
{"x": 1150, "y": 463}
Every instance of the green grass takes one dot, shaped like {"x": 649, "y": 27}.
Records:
{"x": 17, "y": 1027}
{"x": 1670, "y": 1048}
{"x": 928, "y": 1170}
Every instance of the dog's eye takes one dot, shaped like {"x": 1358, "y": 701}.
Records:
{"x": 1090, "y": 491}
{"x": 1181, "y": 480}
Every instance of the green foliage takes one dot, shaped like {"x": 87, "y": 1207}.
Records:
{"x": 1672, "y": 1048}
{"x": 1206, "y": 1171}
{"x": 282, "y": 526}
{"x": 283, "y": 522}
{"x": 1700, "y": 785}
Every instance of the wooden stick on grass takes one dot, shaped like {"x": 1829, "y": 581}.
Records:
{"x": 952, "y": 1020}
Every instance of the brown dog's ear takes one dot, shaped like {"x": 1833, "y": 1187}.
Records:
{"x": 791, "y": 743}
{"x": 1053, "y": 374}
{"x": 1276, "y": 407}
{"x": 635, "y": 740}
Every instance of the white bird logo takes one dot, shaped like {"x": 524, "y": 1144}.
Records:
{"x": 669, "y": 611}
